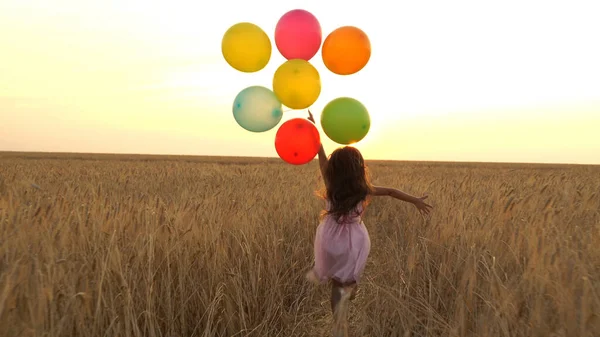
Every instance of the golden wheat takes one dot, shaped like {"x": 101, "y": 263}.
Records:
{"x": 102, "y": 245}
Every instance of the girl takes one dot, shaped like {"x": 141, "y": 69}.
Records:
{"x": 342, "y": 241}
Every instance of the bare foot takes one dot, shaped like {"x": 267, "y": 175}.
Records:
{"x": 312, "y": 277}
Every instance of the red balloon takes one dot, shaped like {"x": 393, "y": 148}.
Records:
{"x": 298, "y": 35}
{"x": 297, "y": 141}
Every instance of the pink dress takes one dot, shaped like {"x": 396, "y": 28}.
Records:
{"x": 341, "y": 249}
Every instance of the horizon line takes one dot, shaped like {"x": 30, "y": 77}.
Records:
{"x": 13, "y": 152}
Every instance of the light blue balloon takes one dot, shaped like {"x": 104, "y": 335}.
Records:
{"x": 257, "y": 109}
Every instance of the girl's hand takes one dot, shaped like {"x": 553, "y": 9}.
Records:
{"x": 310, "y": 117}
{"x": 422, "y": 206}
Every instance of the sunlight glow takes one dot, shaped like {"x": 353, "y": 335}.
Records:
{"x": 461, "y": 80}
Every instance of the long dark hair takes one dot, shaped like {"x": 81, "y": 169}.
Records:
{"x": 346, "y": 181}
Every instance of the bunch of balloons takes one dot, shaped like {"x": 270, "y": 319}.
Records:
{"x": 297, "y": 83}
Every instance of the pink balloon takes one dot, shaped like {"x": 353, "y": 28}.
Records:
{"x": 298, "y": 35}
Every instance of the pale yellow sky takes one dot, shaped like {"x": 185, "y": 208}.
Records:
{"x": 515, "y": 81}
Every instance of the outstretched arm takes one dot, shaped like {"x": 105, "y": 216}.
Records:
{"x": 397, "y": 194}
{"x": 322, "y": 161}
{"x": 322, "y": 154}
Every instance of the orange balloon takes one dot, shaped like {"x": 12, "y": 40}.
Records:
{"x": 346, "y": 50}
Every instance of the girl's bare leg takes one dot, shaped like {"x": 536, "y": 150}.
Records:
{"x": 354, "y": 291}
{"x": 336, "y": 295}
{"x": 312, "y": 277}
{"x": 336, "y": 286}
{"x": 340, "y": 296}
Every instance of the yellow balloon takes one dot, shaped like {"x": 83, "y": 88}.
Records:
{"x": 297, "y": 84}
{"x": 246, "y": 47}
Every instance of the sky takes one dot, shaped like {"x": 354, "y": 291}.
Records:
{"x": 492, "y": 81}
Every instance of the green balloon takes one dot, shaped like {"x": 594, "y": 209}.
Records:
{"x": 345, "y": 120}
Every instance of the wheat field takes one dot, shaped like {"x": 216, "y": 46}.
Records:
{"x": 108, "y": 245}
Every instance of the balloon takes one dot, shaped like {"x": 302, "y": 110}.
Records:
{"x": 246, "y": 47}
{"x": 298, "y": 35}
{"x": 345, "y": 120}
{"x": 297, "y": 141}
{"x": 346, "y": 50}
{"x": 297, "y": 84}
{"x": 257, "y": 109}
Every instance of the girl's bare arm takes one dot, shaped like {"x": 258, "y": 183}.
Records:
{"x": 380, "y": 191}
{"x": 322, "y": 161}
{"x": 322, "y": 154}
{"x": 397, "y": 194}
